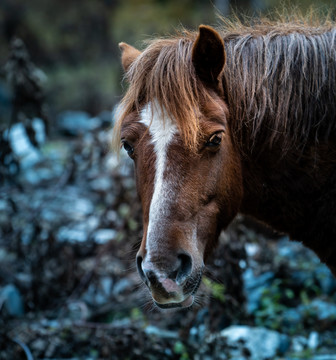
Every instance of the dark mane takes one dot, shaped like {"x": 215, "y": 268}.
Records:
{"x": 280, "y": 79}
{"x": 281, "y": 84}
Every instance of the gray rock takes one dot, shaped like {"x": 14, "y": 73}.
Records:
{"x": 72, "y": 234}
{"x": 240, "y": 341}
{"x": 313, "y": 340}
{"x": 103, "y": 236}
{"x": 98, "y": 294}
{"x": 27, "y": 154}
{"x": 163, "y": 334}
{"x": 299, "y": 344}
{"x": 75, "y": 123}
{"x": 254, "y": 287}
{"x": 291, "y": 319}
{"x": 106, "y": 118}
{"x": 325, "y": 279}
{"x": 40, "y": 131}
{"x": 122, "y": 285}
{"x": 323, "y": 311}
{"x": 101, "y": 184}
{"x": 11, "y": 297}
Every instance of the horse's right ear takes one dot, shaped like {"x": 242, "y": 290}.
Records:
{"x": 128, "y": 55}
{"x": 208, "y": 55}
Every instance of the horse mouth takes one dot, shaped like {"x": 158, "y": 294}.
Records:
{"x": 193, "y": 283}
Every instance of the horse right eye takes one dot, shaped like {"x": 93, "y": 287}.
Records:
{"x": 128, "y": 148}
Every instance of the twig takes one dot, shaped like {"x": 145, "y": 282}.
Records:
{"x": 25, "y": 349}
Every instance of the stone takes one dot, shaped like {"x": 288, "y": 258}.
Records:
{"x": 106, "y": 118}
{"x": 299, "y": 344}
{"x": 72, "y": 234}
{"x": 239, "y": 341}
{"x": 98, "y": 294}
{"x": 313, "y": 340}
{"x": 325, "y": 279}
{"x": 254, "y": 287}
{"x": 11, "y": 298}
{"x": 291, "y": 319}
{"x": 27, "y": 154}
{"x": 40, "y": 130}
{"x": 75, "y": 123}
{"x": 101, "y": 184}
{"x": 102, "y": 236}
{"x": 122, "y": 285}
{"x": 323, "y": 311}
{"x": 152, "y": 330}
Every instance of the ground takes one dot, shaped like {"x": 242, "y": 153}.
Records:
{"x": 70, "y": 225}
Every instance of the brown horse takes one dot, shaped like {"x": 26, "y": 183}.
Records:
{"x": 237, "y": 119}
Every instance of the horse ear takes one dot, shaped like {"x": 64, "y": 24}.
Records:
{"x": 128, "y": 55}
{"x": 208, "y": 55}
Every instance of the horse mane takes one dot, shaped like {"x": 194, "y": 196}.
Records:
{"x": 279, "y": 77}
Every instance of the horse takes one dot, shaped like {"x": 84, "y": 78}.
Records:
{"x": 228, "y": 120}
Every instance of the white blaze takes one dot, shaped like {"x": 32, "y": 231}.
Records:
{"x": 162, "y": 133}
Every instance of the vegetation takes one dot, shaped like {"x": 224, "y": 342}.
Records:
{"x": 75, "y": 44}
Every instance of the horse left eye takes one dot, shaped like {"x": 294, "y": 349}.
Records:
{"x": 129, "y": 148}
{"x": 214, "y": 140}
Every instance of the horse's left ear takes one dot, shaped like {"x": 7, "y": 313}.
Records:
{"x": 208, "y": 55}
{"x": 128, "y": 54}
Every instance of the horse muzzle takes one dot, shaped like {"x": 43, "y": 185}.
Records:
{"x": 172, "y": 283}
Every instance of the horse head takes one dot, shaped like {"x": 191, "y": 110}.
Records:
{"x": 188, "y": 173}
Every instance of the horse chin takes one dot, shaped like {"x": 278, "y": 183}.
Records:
{"x": 183, "y": 304}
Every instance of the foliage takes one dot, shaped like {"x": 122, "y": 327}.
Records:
{"x": 76, "y": 43}
{"x": 216, "y": 290}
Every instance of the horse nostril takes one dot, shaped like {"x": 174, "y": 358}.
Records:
{"x": 185, "y": 267}
{"x": 139, "y": 267}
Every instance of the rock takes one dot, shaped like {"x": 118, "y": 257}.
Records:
{"x": 313, "y": 340}
{"x": 72, "y": 234}
{"x": 122, "y": 285}
{"x": 325, "y": 279}
{"x": 323, "y": 311}
{"x": 254, "y": 287}
{"x": 291, "y": 319}
{"x": 98, "y": 294}
{"x": 197, "y": 334}
{"x": 103, "y": 236}
{"x": 241, "y": 342}
{"x": 75, "y": 123}
{"x": 27, "y": 154}
{"x": 78, "y": 208}
{"x": 101, "y": 184}
{"x": 78, "y": 311}
{"x": 163, "y": 334}
{"x": 40, "y": 130}
{"x": 11, "y": 298}
{"x": 299, "y": 344}
{"x": 106, "y": 118}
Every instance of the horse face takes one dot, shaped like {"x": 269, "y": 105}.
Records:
{"x": 187, "y": 195}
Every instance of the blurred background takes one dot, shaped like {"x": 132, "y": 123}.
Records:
{"x": 70, "y": 221}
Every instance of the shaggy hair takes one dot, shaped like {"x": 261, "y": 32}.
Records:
{"x": 279, "y": 81}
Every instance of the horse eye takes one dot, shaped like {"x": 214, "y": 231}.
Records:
{"x": 214, "y": 140}
{"x": 128, "y": 148}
